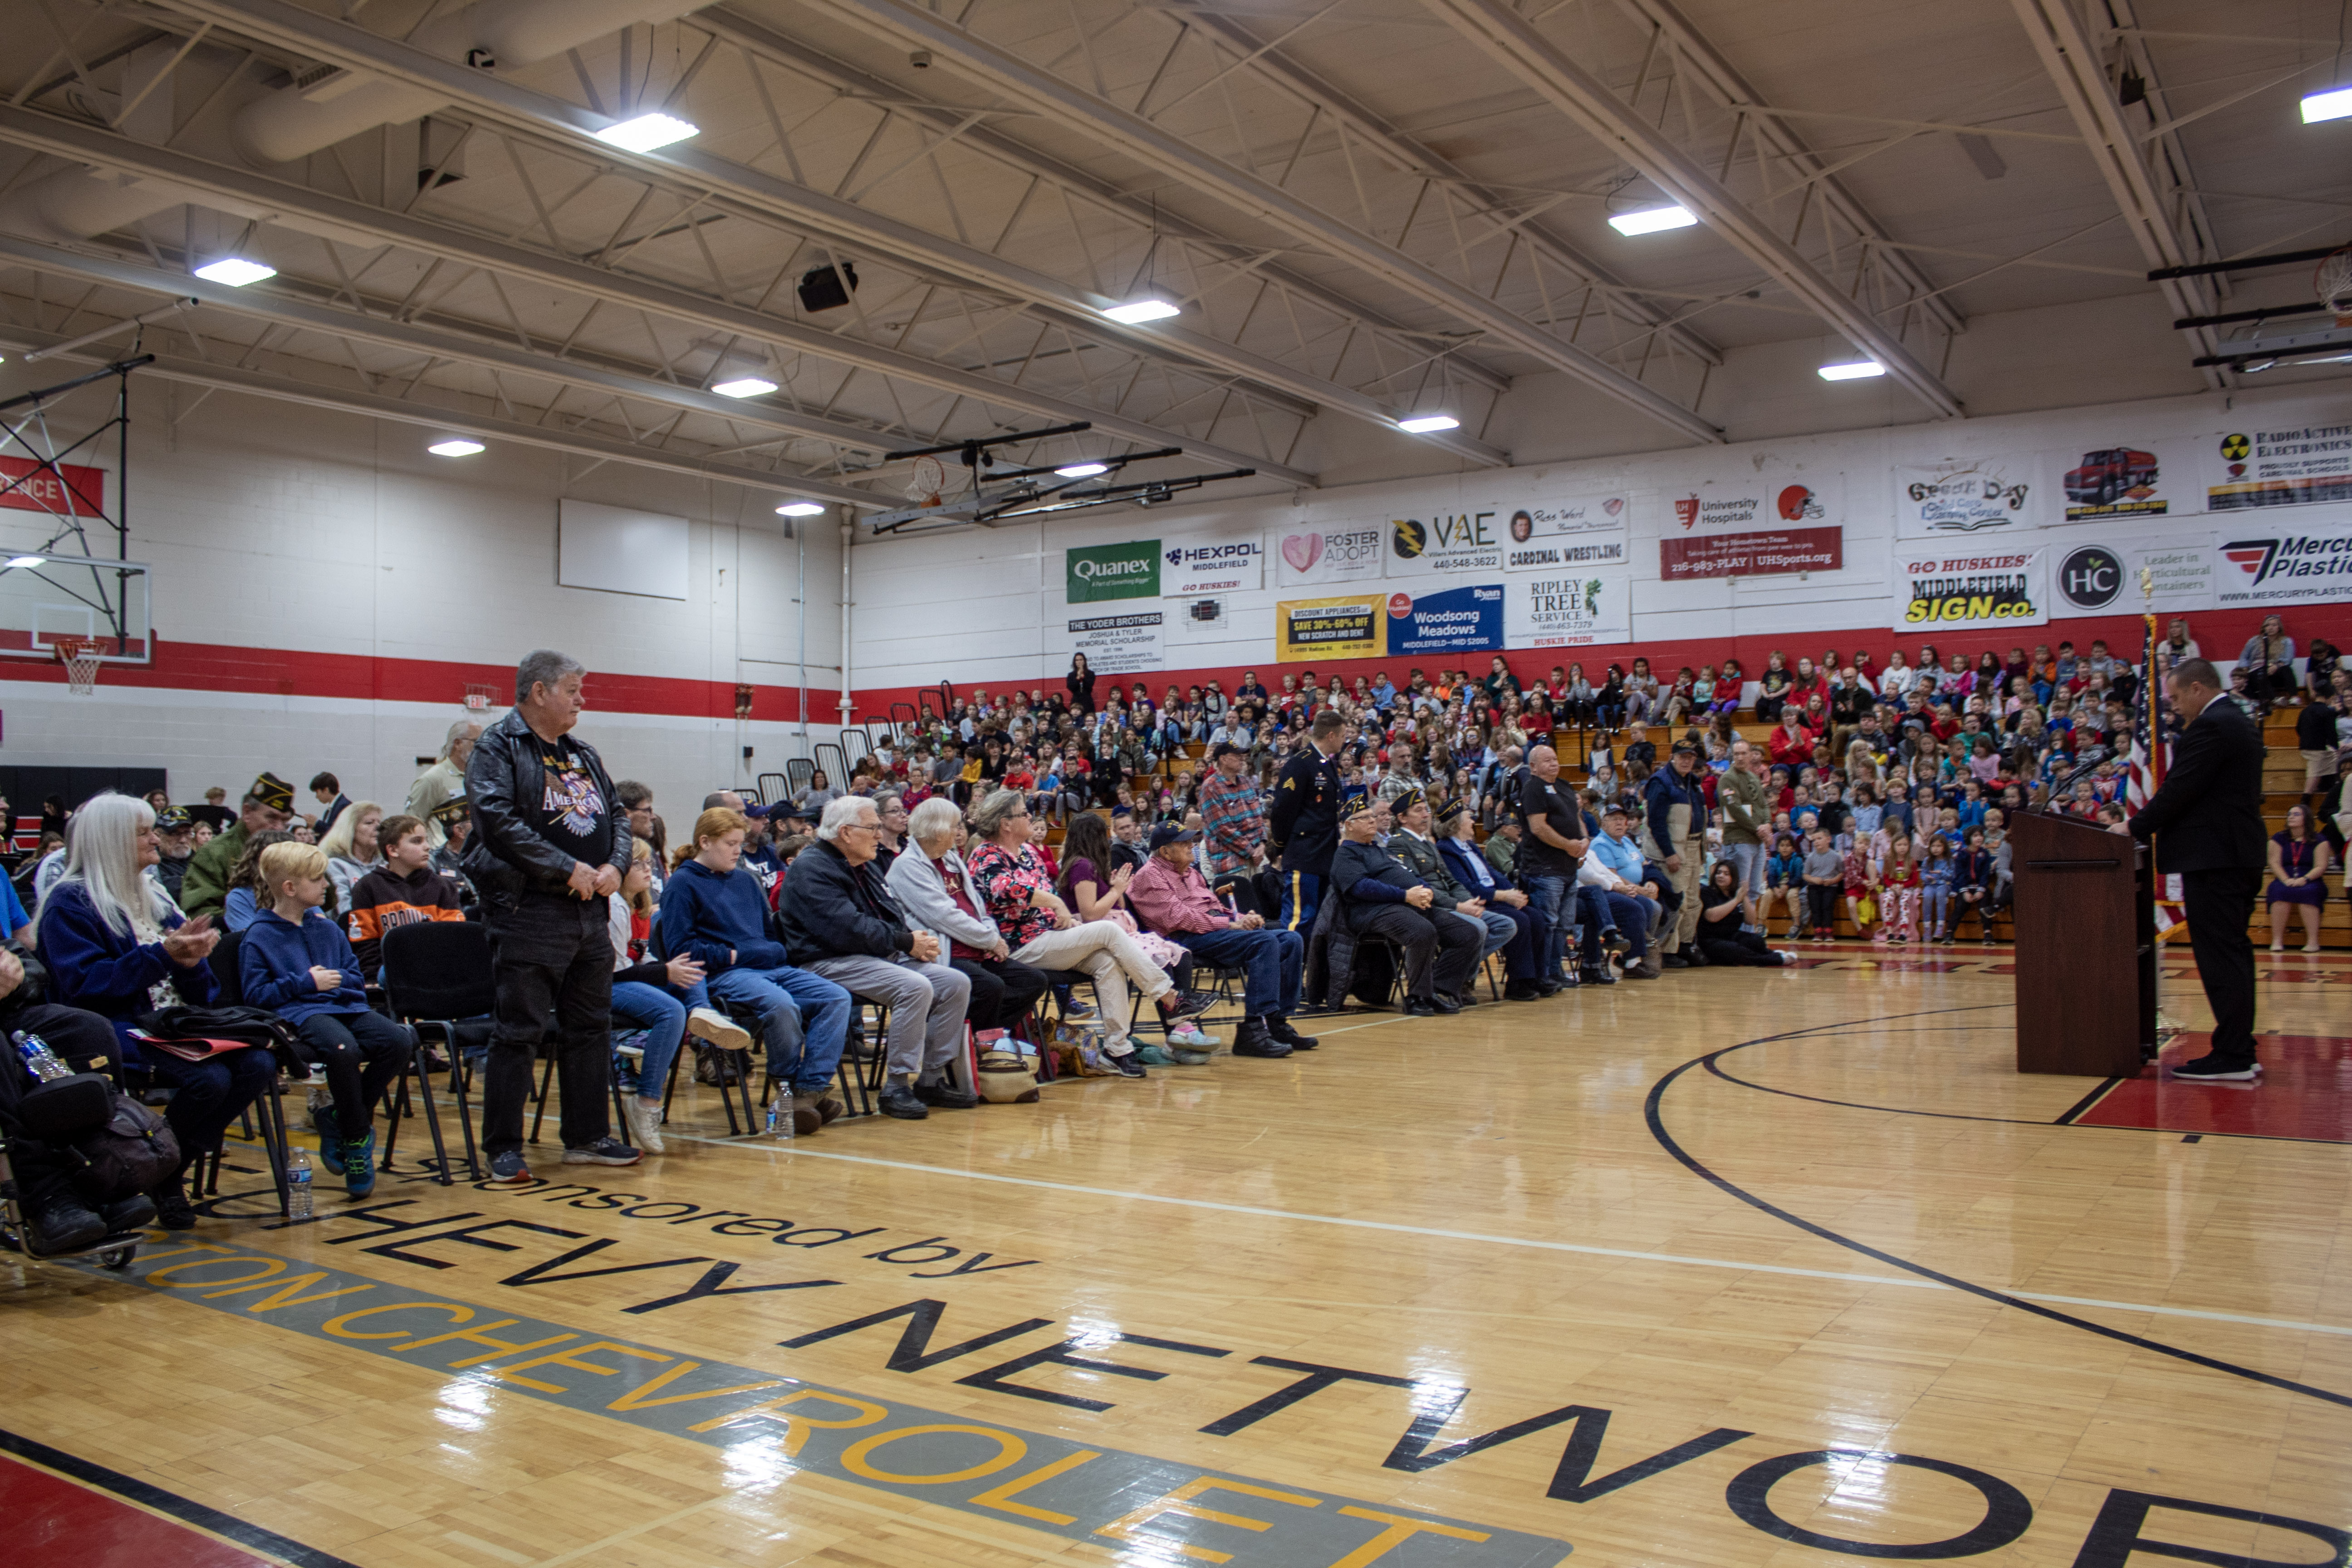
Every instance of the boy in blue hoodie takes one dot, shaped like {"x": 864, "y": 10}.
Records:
{"x": 298, "y": 962}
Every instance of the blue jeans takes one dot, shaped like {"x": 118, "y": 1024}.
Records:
{"x": 1270, "y": 961}
{"x": 1936, "y": 899}
{"x": 805, "y": 1016}
{"x": 1748, "y": 865}
{"x": 663, "y": 1018}
{"x": 1511, "y": 931}
{"x": 1630, "y": 914}
{"x": 1556, "y": 909}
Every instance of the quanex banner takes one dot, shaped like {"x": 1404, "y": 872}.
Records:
{"x": 1097, "y": 572}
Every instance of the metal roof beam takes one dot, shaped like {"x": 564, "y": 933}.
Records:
{"x": 242, "y": 190}
{"x": 1585, "y": 98}
{"x": 1138, "y": 139}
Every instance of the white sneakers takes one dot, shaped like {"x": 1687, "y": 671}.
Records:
{"x": 644, "y": 1123}
{"x": 710, "y": 1024}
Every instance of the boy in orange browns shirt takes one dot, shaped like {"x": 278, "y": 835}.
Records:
{"x": 403, "y": 891}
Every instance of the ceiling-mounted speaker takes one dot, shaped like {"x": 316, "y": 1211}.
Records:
{"x": 827, "y": 288}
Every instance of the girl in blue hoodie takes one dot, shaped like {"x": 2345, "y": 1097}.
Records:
{"x": 298, "y": 962}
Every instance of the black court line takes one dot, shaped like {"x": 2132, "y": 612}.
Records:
{"x": 187, "y": 1511}
{"x": 1651, "y": 1109}
{"x": 2082, "y": 1107}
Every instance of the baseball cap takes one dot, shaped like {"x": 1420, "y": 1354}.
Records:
{"x": 1168, "y": 833}
{"x": 173, "y": 820}
{"x": 1226, "y": 748}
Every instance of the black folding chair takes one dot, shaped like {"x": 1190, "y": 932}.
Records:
{"x": 272, "y": 1136}
{"x": 435, "y": 972}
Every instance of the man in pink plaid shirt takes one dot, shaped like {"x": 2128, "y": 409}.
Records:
{"x": 1230, "y": 822}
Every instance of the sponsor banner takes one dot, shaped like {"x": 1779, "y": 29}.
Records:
{"x": 2134, "y": 479}
{"x": 1766, "y": 552}
{"x": 1966, "y": 591}
{"x": 2274, "y": 565}
{"x": 1558, "y": 554}
{"x": 1565, "y": 517}
{"x": 1346, "y": 552}
{"x": 67, "y": 489}
{"x": 1097, "y": 572}
{"x": 1990, "y": 495}
{"x": 1449, "y": 620}
{"x": 2299, "y": 466}
{"x": 1762, "y": 502}
{"x": 1306, "y": 630}
{"x": 1567, "y": 611}
{"x": 2105, "y": 576}
{"x": 1115, "y": 644}
{"x": 1447, "y": 544}
{"x": 1223, "y": 568}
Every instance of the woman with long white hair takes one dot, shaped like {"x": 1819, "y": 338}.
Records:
{"x": 351, "y": 849}
{"x": 115, "y": 946}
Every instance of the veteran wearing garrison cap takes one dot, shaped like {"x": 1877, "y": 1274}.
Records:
{"x": 1385, "y": 899}
{"x": 268, "y": 806}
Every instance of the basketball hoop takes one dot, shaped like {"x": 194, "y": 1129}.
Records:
{"x": 926, "y": 481}
{"x": 477, "y": 697}
{"x": 2333, "y": 282}
{"x": 81, "y": 657}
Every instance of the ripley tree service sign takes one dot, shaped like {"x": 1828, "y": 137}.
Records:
{"x": 1097, "y": 572}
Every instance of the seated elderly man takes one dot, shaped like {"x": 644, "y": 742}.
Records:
{"x": 1504, "y": 901}
{"x": 1171, "y": 897}
{"x": 935, "y": 888}
{"x": 840, "y": 922}
{"x": 1410, "y": 843}
{"x": 1613, "y": 870}
{"x": 1384, "y": 898}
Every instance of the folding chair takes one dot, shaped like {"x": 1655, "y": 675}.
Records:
{"x": 435, "y": 972}
{"x": 748, "y": 1019}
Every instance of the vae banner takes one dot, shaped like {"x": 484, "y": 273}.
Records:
{"x": 2296, "y": 467}
{"x": 1097, "y": 572}
{"x": 1116, "y": 644}
{"x": 1966, "y": 592}
{"x": 27, "y": 487}
{"x": 1225, "y": 568}
{"x": 1568, "y": 610}
{"x": 1450, "y": 620}
{"x": 1990, "y": 494}
{"x": 2138, "y": 480}
{"x": 1445, "y": 544}
{"x": 1345, "y": 552}
{"x": 2282, "y": 565}
{"x": 1306, "y": 630}
{"x": 1766, "y": 553}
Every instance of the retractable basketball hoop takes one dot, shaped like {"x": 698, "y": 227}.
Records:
{"x": 2333, "y": 280}
{"x": 928, "y": 478}
{"x": 81, "y": 656}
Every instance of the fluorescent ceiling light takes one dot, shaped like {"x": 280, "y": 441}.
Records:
{"x": 745, "y": 386}
{"x": 1650, "y": 220}
{"x": 648, "y": 131}
{"x": 2333, "y": 105}
{"x": 799, "y": 509}
{"x": 1141, "y": 310}
{"x": 1853, "y": 370}
{"x": 14, "y": 561}
{"x": 456, "y": 446}
{"x": 1425, "y": 423}
{"x": 1082, "y": 470}
{"x": 235, "y": 271}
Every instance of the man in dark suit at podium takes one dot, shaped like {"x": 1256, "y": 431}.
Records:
{"x": 2207, "y": 820}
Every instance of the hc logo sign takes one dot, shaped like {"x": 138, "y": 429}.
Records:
{"x": 2090, "y": 578}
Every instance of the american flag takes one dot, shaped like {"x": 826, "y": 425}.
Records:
{"x": 2151, "y": 753}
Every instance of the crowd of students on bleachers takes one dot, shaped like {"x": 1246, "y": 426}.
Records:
{"x": 928, "y": 885}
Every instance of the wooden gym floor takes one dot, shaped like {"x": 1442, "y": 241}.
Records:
{"x": 1733, "y": 1268}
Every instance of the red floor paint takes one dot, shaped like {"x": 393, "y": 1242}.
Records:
{"x": 2305, "y": 1092}
{"x": 52, "y": 1522}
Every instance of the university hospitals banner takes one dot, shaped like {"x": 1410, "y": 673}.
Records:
{"x": 1970, "y": 589}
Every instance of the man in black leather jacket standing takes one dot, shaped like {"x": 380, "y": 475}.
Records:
{"x": 550, "y": 847}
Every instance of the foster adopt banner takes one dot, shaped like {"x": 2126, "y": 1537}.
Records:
{"x": 1342, "y": 552}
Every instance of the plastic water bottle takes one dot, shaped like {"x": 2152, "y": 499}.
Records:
{"x": 39, "y": 1060}
{"x": 297, "y": 1184}
{"x": 780, "y": 1114}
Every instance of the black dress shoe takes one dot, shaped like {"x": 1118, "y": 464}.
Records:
{"x": 1422, "y": 1007}
{"x": 1465, "y": 997}
{"x": 1254, "y": 1040}
{"x": 1522, "y": 991}
{"x": 62, "y": 1225}
{"x": 172, "y": 1209}
{"x": 1546, "y": 988}
{"x": 1673, "y": 961}
{"x": 1616, "y": 941}
{"x": 897, "y": 1100}
{"x": 1693, "y": 957}
{"x": 1128, "y": 1066}
{"x": 1277, "y": 1028}
{"x": 1444, "y": 1004}
{"x": 1599, "y": 974}
{"x": 945, "y": 1097}
{"x": 135, "y": 1213}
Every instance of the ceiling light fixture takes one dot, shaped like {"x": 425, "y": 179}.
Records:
{"x": 2334, "y": 104}
{"x": 1851, "y": 370}
{"x": 235, "y": 271}
{"x": 1651, "y": 220}
{"x": 648, "y": 131}
{"x": 15, "y": 561}
{"x": 1428, "y": 423}
{"x": 1082, "y": 470}
{"x": 456, "y": 446}
{"x": 800, "y": 509}
{"x": 745, "y": 386}
{"x": 1141, "y": 310}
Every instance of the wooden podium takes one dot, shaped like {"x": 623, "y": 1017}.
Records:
{"x": 2084, "y": 919}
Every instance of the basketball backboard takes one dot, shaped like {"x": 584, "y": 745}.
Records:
{"x": 43, "y": 597}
